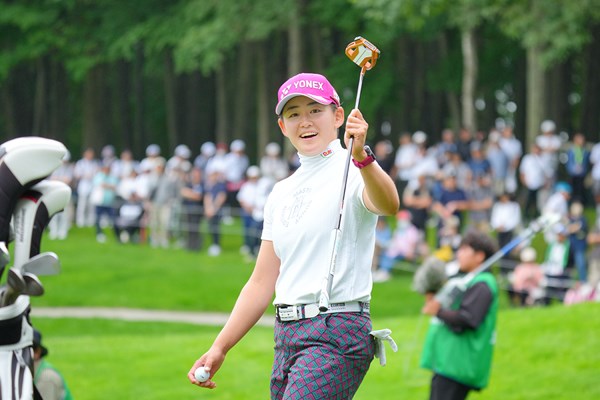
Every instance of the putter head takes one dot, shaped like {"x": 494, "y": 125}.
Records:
{"x": 33, "y": 285}
{"x": 362, "y": 53}
{"x": 44, "y": 264}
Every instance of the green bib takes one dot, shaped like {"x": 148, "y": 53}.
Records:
{"x": 464, "y": 357}
{"x": 46, "y": 365}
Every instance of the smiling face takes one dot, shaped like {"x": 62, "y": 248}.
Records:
{"x": 309, "y": 125}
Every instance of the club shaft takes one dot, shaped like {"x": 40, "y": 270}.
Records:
{"x": 359, "y": 90}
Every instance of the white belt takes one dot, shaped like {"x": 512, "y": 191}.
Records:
{"x": 286, "y": 313}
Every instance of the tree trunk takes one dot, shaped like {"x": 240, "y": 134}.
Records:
{"x": 8, "y": 109}
{"x": 139, "y": 110}
{"x": 452, "y": 99}
{"x": 469, "y": 82}
{"x": 171, "y": 96}
{"x": 222, "y": 112}
{"x": 243, "y": 88}
{"x": 262, "y": 100}
{"x": 94, "y": 110}
{"x": 40, "y": 111}
{"x": 120, "y": 105}
{"x": 58, "y": 106}
{"x": 589, "y": 123}
{"x": 535, "y": 95}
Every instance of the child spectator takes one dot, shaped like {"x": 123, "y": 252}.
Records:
{"x": 527, "y": 280}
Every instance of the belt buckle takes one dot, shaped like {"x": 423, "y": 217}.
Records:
{"x": 288, "y": 313}
{"x": 311, "y": 310}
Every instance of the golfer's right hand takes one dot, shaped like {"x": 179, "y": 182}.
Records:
{"x": 211, "y": 362}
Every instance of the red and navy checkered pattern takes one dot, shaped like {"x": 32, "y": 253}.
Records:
{"x": 325, "y": 357}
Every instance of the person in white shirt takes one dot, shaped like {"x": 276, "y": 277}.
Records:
{"x": 294, "y": 256}
{"x": 534, "y": 176}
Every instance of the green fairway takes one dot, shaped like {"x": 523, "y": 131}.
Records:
{"x": 542, "y": 353}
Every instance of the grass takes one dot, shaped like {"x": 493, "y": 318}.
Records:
{"x": 545, "y": 353}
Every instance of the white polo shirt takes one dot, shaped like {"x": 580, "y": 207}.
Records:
{"x": 300, "y": 216}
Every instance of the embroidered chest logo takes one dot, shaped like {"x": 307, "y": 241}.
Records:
{"x": 295, "y": 209}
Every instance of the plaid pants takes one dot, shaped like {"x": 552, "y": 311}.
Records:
{"x": 325, "y": 357}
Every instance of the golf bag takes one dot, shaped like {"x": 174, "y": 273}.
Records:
{"x": 30, "y": 202}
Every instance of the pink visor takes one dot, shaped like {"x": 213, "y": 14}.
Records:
{"x": 313, "y": 86}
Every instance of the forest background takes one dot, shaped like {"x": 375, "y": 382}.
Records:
{"x": 131, "y": 73}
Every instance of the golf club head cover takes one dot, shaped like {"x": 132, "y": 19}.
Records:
{"x": 16, "y": 356}
{"x": 24, "y": 162}
{"x": 32, "y": 214}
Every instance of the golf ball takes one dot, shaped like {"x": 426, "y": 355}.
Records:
{"x": 201, "y": 374}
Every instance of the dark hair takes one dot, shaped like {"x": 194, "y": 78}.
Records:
{"x": 479, "y": 242}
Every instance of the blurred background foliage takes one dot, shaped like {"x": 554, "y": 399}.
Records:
{"x": 131, "y": 73}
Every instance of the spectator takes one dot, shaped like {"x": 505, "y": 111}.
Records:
{"x": 383, "y": 236}
{"x": 207, "y": 151}
{"x": 108, "y": 155}
{"x": 534, "y": 178}
{"x": 578, "y": 231}
{"x": 252, "y": 198}
{"x": 384, "y": 153}
{"x": 406, "y": 244}
{"x": 593, "y": 240}
{"x": 595, "y": 161}
{"x": 498, "y": 161}
{"x": 237, "y": 163}
{"x": 527, "y": 281}
{"x": 512, "y": 147}
{"x": 481, "y": 200}
{"x": 48, "y": 381}
{"x": 191, "y": 194}
{"x": 124, "y": 166}
{"x": 463, "y": 144}
{"x": 452, "y": 200}
{"x": 557, "y": 203}
{"x": 59, "y": 225}
{"x": 153, "y": 159}
{"x": 460, "y": 341}
{"x": 417, "y": 199}
{"x": 406, "y": 158}
{"x": 84, "y": 172}
{"x": 215, "y": 195}
{"x": 272, "y": 165}
{"x": 446, "y": 146}
{"x": 577, "y": 167}
{"x": 505, "y": 218}
{"x": 556, "y": 260}
{"x": 103, "y": 196}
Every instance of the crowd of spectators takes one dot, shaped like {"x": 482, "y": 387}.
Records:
{"x": 482, "y": 181}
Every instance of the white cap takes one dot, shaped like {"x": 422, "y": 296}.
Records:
{"x": 547, "y": 126}
{"x": 419, "y": 137}
{"x": 237, "y": 145}
{"x": 272, "y": 149}
{"x": 528, "y": 254}
{"x": 253, "y": 171}
{"x": 182, "y": 151}
{"x": 153, "y": 150}
{"x": 208, "y": 149}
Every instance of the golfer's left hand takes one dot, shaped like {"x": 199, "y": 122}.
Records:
{"x": 356, "y": 127}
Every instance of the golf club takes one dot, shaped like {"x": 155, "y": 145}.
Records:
{"x": 33, "y": 285}
{"x": 365, "y": 55}
{"x": 456, "y": 287}
{"x": 15, "y": 285}
{"x": 32, "y": 214}
{"x": 43, "y": 264}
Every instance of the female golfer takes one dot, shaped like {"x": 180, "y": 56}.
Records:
{"x": 324, "y": 354}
